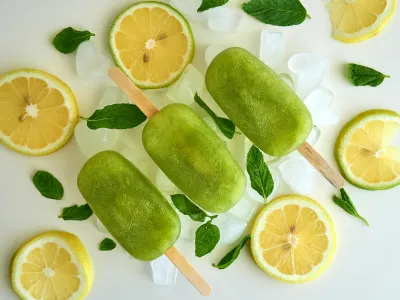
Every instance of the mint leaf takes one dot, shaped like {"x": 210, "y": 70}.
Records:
{"x": 362, "y": 76}
{"x": 68, "y": 40}
{"x": 48, "y": 185}
{"x": 76, "y": 213}
{"x": 207, "y": 238}
{"x": 186, "y": 207}
{"x": 232, "y": 255}
{"x": 225, "y": 125}
{"x": 276, "y": 12}
{"x": 347, "y": 205}
{"x": 260, "y": 176}
{"x": 116, "y": 116}
{"x": 107, "y": 245}
{"x": 207, "y": 4}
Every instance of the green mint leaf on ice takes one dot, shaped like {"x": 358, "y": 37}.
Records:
{"x": 276, "y": 12}
{"x": 362, "y": 76}
{"x": 68, "y": 40}
{"x": 207, "y": 238}
{"x": 186, "y": 207}
{"x": 76, "y": 213}
{"x": 232, "y": 255}
{"x": 107, "y": 245}
{"x": 225, "y": 125}
{"x": 207, "y": 4}
{"x": 48, "y": 185}
{"x": 345, "y": 202}
{"x": 116, "y": 116}
{"x": 260, "y": 176}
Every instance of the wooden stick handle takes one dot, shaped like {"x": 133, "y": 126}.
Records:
{"x": 321, "y": 165}
{"x": 188, "y": 271}
{"x": 133, "y": 92}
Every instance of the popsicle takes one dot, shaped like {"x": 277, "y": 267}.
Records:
{"x": 188, "y": 151}
{"x": 134, "y": 212}
{"x": 264, "y": 107}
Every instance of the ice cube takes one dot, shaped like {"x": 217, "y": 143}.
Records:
{"x": 185, "y": 88}
{"x": 113, "y": 95}
{"x": 157, "y": 97}
{"x": 164, "y": 271}
{"x": 188, "y": 228}
{"x": 314, "y": 135}
{"x": 288, "y": 79}
{"x": 92, "y": 65}
{"x": 164, "y": 184}
{"x": 310, "y": 69}
{"x": 224, "y": 19}
{"x": 319, "y": 103}
{"x": 237, "y": 147}
{"x": 254, "y": 195}
{"x": 137, "y": 157}
{"x": 246, "y": 209}
{"x": 212, "y": 51}
{"x": 210, "y": 122}
{"x": 189, "y": 9}
{"x": 299, "y": 175}
{"x": 93, "y": 141}
{"x": 272, "y": 48}
{"x": 100, "y": 227}
{"x": 231, "y": 228}
{"x": 269, "y": 160}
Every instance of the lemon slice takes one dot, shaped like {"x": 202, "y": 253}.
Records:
{"x": 354, "y": 21}
{"x": 367, "y": 152}
{"x": 38, "y": 112}
{"x": 52, "y": 266}
{"x": 293, "y": 239}
{"x": 152, "y": 43}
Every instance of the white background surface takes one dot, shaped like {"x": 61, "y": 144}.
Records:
{"x": 367, "y": 262}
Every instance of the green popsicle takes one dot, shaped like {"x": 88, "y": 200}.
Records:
{"x": 191, "y": 154}
{"x": 131, "y": 208}
{"x": 258, "y": 101}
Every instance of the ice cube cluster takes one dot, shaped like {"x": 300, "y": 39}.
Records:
{"x": 304, "y": 73}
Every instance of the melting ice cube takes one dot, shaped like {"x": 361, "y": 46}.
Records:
{"x": 164, "y": 271}
{"x": 272, "y": 48}
{"x": 299, "y": 175}
{"x": 310, "y": 69}
{"x": 319, "y": 103}
{"x": 164, "y": 184}
{"x": 189, "y": 9}
{"x": 224, "y": 19}
{"x": 246, "y": 209}
{"x": 185, "y": 88}
{"x": 210, "y": 122}
{"x": 93, "y": 141}
{"x": 92, "y": 65}
{"x": 157, "y": 97}
{"x": 113, "y": 95}
{"x": 231, "y": 228}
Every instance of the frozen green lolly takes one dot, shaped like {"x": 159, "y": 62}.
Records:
{"x": 131, "y": 208}
{"x": 258, "y": 101}
{"x": 193, "y": 157}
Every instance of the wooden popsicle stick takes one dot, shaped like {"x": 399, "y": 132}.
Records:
{"x": 144, "y": 104}
{"x": 321, "y": 165}
{"x": 133, "y": 92}
{"x": 188, "y": 271}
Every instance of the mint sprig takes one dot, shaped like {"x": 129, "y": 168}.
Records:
{"x": 76, "y": 213}
{"x": 107, "y": 245}
{"x": 226, "y": 126}
{"x": 48, "y": 185}
{"x": 207, "y": 238}
{"x": 68, "y": 40}
{"x": 208, "y": 4}
{"x": 260, "y": 176}
{"x": 277, "y": 12}
{"x": 232, "y": 255}
{"x": 345, "y": 202}
{"x": 360, "y": 75}
{"x": 186, "y": 207}
{"x": 116, "y": 116}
